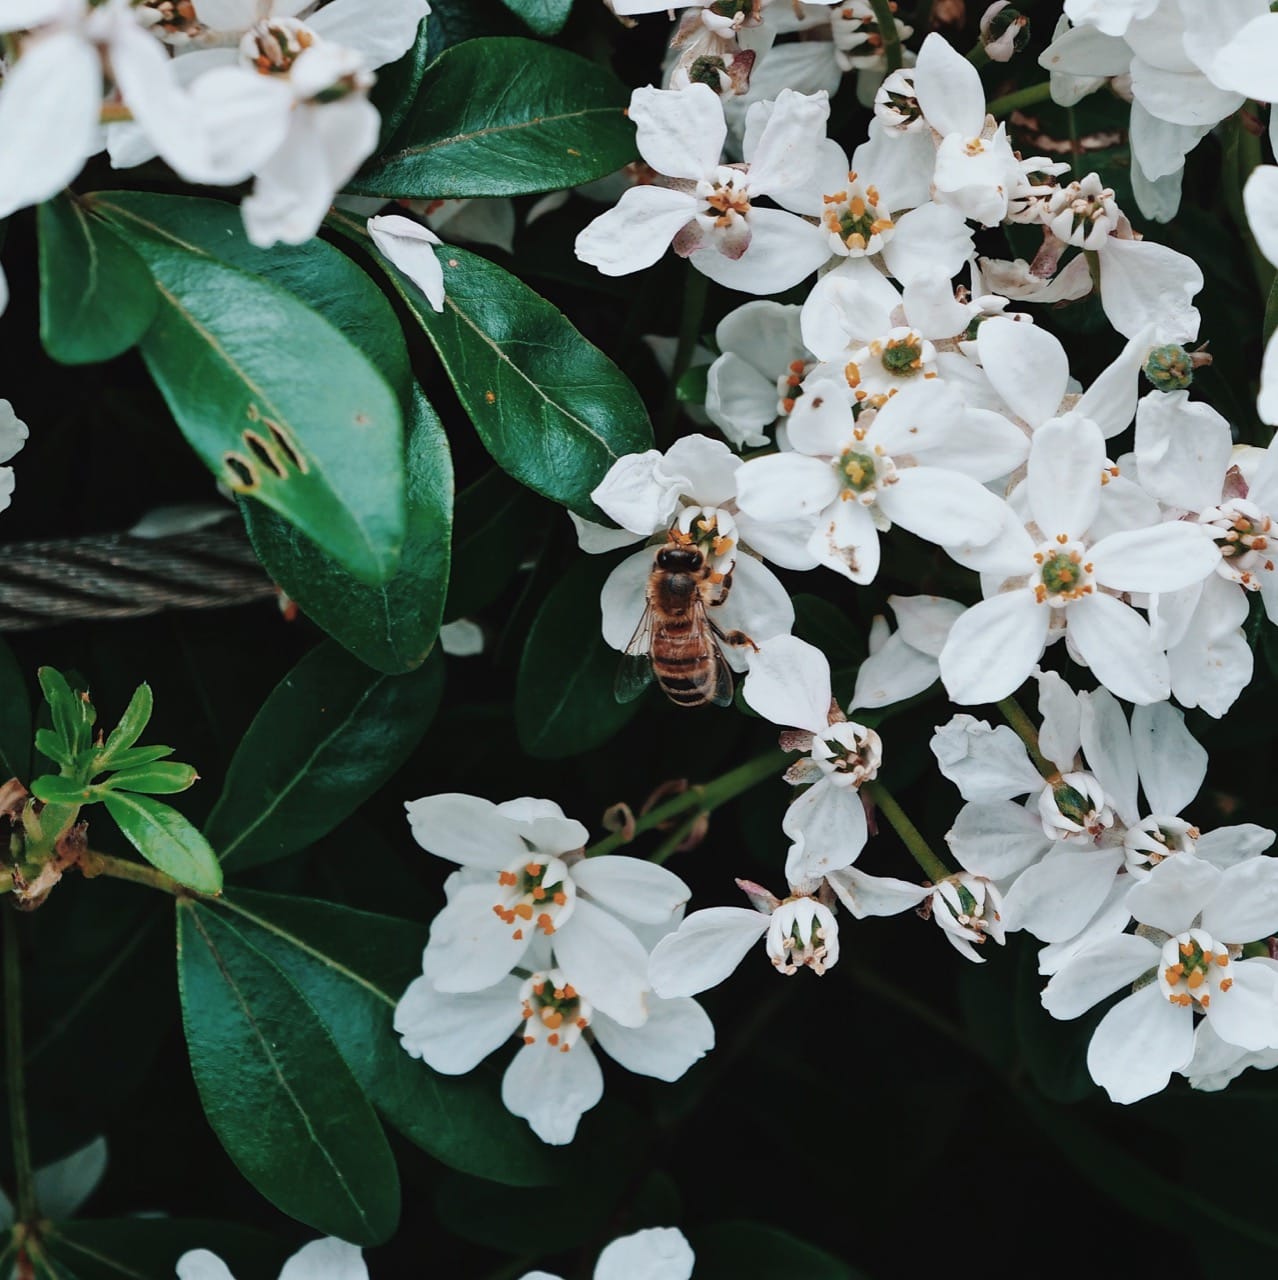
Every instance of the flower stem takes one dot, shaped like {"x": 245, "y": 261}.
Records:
{"x": 103, "y": 864}
{"x": 920, "y": 850}
{"x": 885, "y": 20}
{"x": 1025, "y": 730}
{"x": 703, "y": 798}
{"x": 1027, "y": 97}
{"x": 694, "y": 306}
{"x": 978, "y": 56}
{"x": 15, "y": 1071}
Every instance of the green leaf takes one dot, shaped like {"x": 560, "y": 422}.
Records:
{"x": 166, "y": 778}
{"x": 15, "y": 718}
{"x": 491, "y": 533}
{"x": 329, "y": 735}
{"x": 552, "y": 409}
{"x": 502, "y": 116}
{"x": 136, "y": 717}
{"x": 545, "y": 17}
{"x": 391, "y": 627}
{"x": 73, "y": 714}
{"x": 148, "y": 1248}
{"x": 166, "y": 840}
{"x": 692, "y": 385}
{"x": 55, "y": 790}
{"x": 752, "y": 1251}
{"x": 96, "y": 295}
{"x": 353, "y": 967}
{"x": 135, "y": 756}
{"x": 564, "y": 701}
{"x": 50, "y": 744}
{"x": 276, "y": 401}
{"x": 397, "y": 83}
{"x": 275, "y": 1088}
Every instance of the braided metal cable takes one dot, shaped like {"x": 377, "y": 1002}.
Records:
{"x": 117, "y": 575}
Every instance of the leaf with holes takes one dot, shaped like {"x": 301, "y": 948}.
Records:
{"x": 545, "y": 17}
{"x": 329, "y": 735}
{"x": 15, "y": 719}
{"x": 96, "y": 294}
{"x": 552, "y": 409}
{"x": 391, "y": 627}
{"x": 166, "y": 839}
{"x": 502, "y": 116}
{"x": 277, "y": 1092}
{"x": 564, "y": 701}
{"x": 353, "y": 967}
{"x": 277, "y": 402}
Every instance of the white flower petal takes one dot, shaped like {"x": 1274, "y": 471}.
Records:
{"x": 783, "y": 250}
{"x": 1260, "y": 197}
{"x": 631, "y": 887}
{"x": 1060, "y": 734}
{"x": 784, "y": 485}
{"x": 1060, "y": 896}
{"x": 1107, "y": 744}
{"x": 827, "y": 824}
{"x": 380, "y": 33}
{"x": 1097, "y": 972}
{"x": 637, "y": 231}
{"x": 942, "y": 506}
{"x": 605, "y": 962}
{"x": 1138, "y": 1045}
{"x": 1172, "y": 895}
{"x": 659, "y": 1253}
{"x": 704, "y": 950}
{"x": 784, "y": 152}
{"x": 949, "y": 89}
{"x": 454, "y": 1032}
{"x": 679, "y": 132}
{"x": 758, "y": 605}
{"x": 789, "y": 683}
{"x": 1247, "y": 1014}
{"x": 993, "y": 647}
{"x": 930, "y": 239}
{"x": 1066, "y": 458}
{"x": 1244, "y": 905}
{"x": 1171, "y": 763}
{"x": 866, "y": 895}
{"x": 984, "y": 763}
{"x": 464, "y": 829}
{"x": 552, "y": 1090}
{"x": 1182, "y": 448}
{"x": 892, "y": 673}
{"x": 1226, "y": 846}
{"x": 470, "y": 949}
{"x": 1027, "y": 366}
{"x": 996, "y": 838}
{"x": 677, "y": 1034}
{"x": 624, "y": 598}
{"x": 1116, "y": 642}
{"x": 327, "y": 1259}
{"x": 410, "y": 247}
{"x": 200, "y": 1264}
{"x": 1144, "y": 283}
{"x": 1165, "y": 558}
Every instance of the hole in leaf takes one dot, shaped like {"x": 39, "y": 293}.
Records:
{"x": 261, "y": 450}
{"x": 242, "y": 475}
{"x": 281, "y": 438}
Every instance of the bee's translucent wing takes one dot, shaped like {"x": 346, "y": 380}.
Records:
{"x": 634, "y": 673}
{"x": 722, "y": 695}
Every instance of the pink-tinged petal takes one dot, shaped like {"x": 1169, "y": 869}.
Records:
{"x": 453, "y": 1033}
{"x": 659, "y": 1253}
{"x": 1171, "y": 897}
{"x": 1183, "y": 448}
{"x": 1244, "y": 905}
{"x": 1138, "y": 1045}
{"x": 1247, "y": 1014}
{"x": 1058, "y": 897}
{"x": 410, "y": 247}
{"x": 1165, "y": 558}
{"x": 821, "y": 424}
{"x": 679, "y": 132}
{"x": 784, "y": 485}
{"x": 827, "y": 823}
{"x": 605, "y": 962}
{"x": 1144, "y": 283}
{"x": 785, "y": 152}
{"x": 380, "y": 33}
{"x": 993, "y": 647}
{"x": 997, "y": 838}
{"x": 677, "y": 1034}
{"x": 1096, "y": 972}
{"x": 1260, "y": 197}
{"x": 1026, "y": 365}
{"x": 1116, "y": 642}
{"x": 1066, "y": 459}
{"x": 464, "y": 829}
{"x": 1107, "y": 744}
{"x": 866, "y": 895}
{"x": 758, "y": 605}
{"x": 552, "y": 1090}
{"x": 925, "y": 621}
{"x": 789, "y": 684}
{"x": 1172, "y": 765}
{"x": 470, "y": 948}
{"x": 846, "y": 541}
{"x": 930, "y": 239}
{"x": 944, "y": 507}
{"x": 637, "y": 231}
{"x": 704, "y": 950}
{"x": 949, "y": 89}
{"x": 893, "y": 673}
{"x": 631, "y": 887}
{"x": 49, "y": 104}
{"x": 783, "y": 250}
{"x": 623, "y": 598}
{"x": 1226, "y": 846}
{"x": 327, "y": 1259}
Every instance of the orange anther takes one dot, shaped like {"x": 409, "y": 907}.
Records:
{"x": 524, "y": 910}
{"x": 507, "y": 877}
{"x": 560, "y": 898}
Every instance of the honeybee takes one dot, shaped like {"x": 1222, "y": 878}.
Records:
{"x": 677, "y": 641}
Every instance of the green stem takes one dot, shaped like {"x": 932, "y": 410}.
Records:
{"x": 103, "y": 864}
{"x": 1024, "y": 726}
{"x": 694, "y": 306}
{"x": 1010, "y": 102}
{"x": 885, "y": 20}
{"x": 920, "y": 850}
{"x": 703, "y": 798}
{"x": 670, "y": 845}
{"x": 978, "y": 56}
{"x": 15, "y": 1069}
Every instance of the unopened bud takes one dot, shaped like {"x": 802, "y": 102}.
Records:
{"x": 1171, "y": 367}
{"x": 1004, "y": 31}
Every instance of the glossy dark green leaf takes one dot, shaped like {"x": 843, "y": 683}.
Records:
{"x": 501, "y": 116}
{"x": 391, "y": 627}
{"x": 545, "y": 17}
{"x": 277, "y": 402}
{"x": 494, "y": 523}
{"x": 552, "y": 409}
{"x": 73, "y": 714}
{"x": 564, "y": 700}
{"x": 96, "y": 295}
{"x": 329, "y": 735}
{"x": 353, "y": 967}
{"x": 753, "y": 1251}
{"x": 15, "y": 718}
{"x": 53, "y": 789}
{"x": 164, "y": 778}
{"x": 275, "y": 1088}
{"x": 166, "y": 840}
{"x": 148, "y": 1248}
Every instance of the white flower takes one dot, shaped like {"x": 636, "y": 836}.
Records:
{"x": 410, "y": 247}
{"x": 555, "y": 1077}
{"x": 62, "y": 1186}
{"x": 708, "y": 209}
{"x": 13, "y": 435}
{"x": 327, "y": 1259}
{"x": 1260, "y": 197}
{"x": 1195, "y": 918}
{"x": 800, "y": 932}
{"x": 656, "y": 1253}
{"x": 904, "y": 663}
{"x": 521, "y": 879}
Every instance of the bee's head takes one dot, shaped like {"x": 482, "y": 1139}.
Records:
{"x": 680, "y": 559}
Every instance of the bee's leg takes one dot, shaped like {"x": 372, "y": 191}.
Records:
{"x": 739, "y": 639}
{"x": 724, "y": 587}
